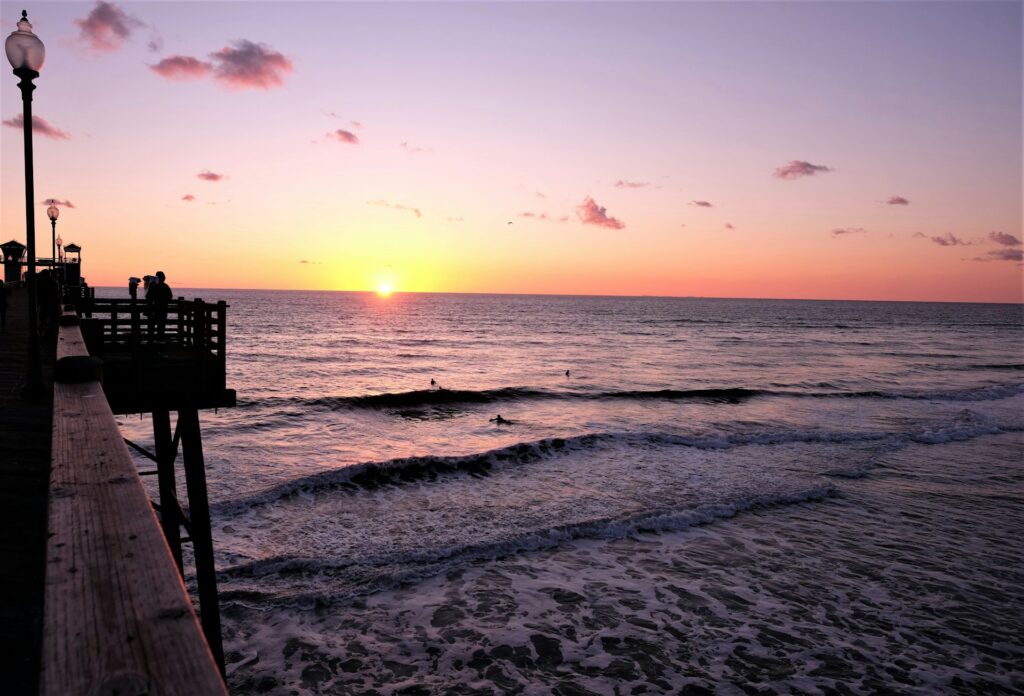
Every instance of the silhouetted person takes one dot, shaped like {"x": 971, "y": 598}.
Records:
{"x": 158, "y": 295}
{"x": 566, "y": 373}
{"x": 133, "y": 287}
{"x": 3, "y": 304}
{"x": 501, "y": 421}
{"x": 433, "y": 382}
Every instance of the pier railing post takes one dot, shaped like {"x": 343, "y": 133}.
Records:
{"x": 202, "y": 536}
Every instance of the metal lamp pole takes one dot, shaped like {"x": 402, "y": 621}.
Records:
{"x": 26, "y": 54}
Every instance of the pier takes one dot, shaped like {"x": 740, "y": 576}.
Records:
{"x": 94, "y": 600}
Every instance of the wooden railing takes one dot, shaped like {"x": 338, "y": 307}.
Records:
{"x": 180, "y": 356}
{"x": 117, "y": 618}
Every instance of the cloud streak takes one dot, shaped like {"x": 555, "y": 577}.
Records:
{"x": 413, "y": 149}
{"x": 107, "y": 27}
{"x": 544, "y": 216}
{"x": 58, "y": 202}
{"x": 188, "y": 198}
{"x": 839, "y": 232}
{"x": 182, "y": 68}
{"x": 702, "y": 204}
{"x": 207, "y": 175}
{"x": 1004, "y": 239}
{"x": 590, "y": 213}
{"x": 397, "y": 206}
{"x": 897, "y": 200}
{"x": 949, "y": 240}
{"x": 39, "y": 125}
{"x": 1002, "y": 255}
{"x": 249, "y": 65}
{"x": 631, "y": 184}
{"x": 797, "y": 169}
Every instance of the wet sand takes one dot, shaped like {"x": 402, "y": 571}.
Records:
{"x": 908, "y": 580}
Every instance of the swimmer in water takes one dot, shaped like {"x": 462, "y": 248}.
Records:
{"x": 501, "y": 421}
{"x": 433, "y": 382}
{"x": 566, "y": 373}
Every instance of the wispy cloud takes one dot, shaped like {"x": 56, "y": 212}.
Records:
{"x": 590, "y": 213}
{"x": 799, "y": 168}
{"x": 454, "y": 219}
{"x": 39, "y": 125}
{"x": 414, "y": 149}
{"x": 107, "y": 27}
{"x": 1004, "y": 238}
{"x": 188, "y": 198}
{"x": 156, "y": 42}
{"x": 540, "y": 195}
{"x": 950, "y": 240}
{"x": 840, "y": 231}
{"x": 631, "y": 184}
{"x": 1002, "y": 255}
{"x": 397, "y": 206}
{"x": 58, "y": 202}
{"x": 182, "y": 68}
{"x": 207, "y": 175}
{"x": 897, "y": 200}
{"x": 702, "y": 204}
{"x": 544, "y": 216}
{"x": 918, "y": 234}
{"x": 729, "y": 226}
{"x": 344, "y": 136}
{"x": 249, "y": 65}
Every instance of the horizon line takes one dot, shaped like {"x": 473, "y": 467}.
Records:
{"x": 551, "y": 294}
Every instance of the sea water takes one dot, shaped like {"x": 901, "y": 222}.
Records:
{"x": 689, "y": 494}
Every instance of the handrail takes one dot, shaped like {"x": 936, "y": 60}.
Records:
{"x": 117, "y": 617}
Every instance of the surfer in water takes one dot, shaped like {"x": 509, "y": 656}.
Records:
{"x": 500, "y": 421}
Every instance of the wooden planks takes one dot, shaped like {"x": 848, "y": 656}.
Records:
{"x": 117, "y": 616}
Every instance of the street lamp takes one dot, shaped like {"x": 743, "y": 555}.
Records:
{"x": 53, "y": 212}
{"x": 60, "y": 242}
{"x": 26, "y": 54}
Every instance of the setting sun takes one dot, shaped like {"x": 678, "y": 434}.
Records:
{"x": 384, "y": 289}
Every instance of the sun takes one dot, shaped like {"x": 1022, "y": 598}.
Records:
{"x": 384, "y": 289}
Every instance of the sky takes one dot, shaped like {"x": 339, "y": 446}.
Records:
{"x": 831, "y": 150}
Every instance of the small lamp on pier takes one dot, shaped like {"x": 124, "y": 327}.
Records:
{"x": 53, "y": 212}
{"x": 26, "y": 54}
{"x": 60, "y": 242}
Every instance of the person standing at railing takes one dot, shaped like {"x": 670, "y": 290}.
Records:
{"x": 3, "y": 304}
{"x": 158, "y": 295}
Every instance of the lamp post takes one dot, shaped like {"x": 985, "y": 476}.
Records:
{"x": 60, "y": 242}
{"x": 26, "y": 54}
{"x": 53, "y": 212}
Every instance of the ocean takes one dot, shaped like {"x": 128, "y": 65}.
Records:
{"x": 688, "y": 496}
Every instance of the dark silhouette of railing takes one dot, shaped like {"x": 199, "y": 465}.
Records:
{"x": 154, "y": 361}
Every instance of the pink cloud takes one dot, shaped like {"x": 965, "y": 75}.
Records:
{"x": 918, "y": 234}
{"x": 590, "y": 213}
{"x": 207, "y": 175}
{"x": 729, "y": 226}
{"x": 702, "y": 204}
{"x": 59, "y": 202}
{"x": 249, "y": 65}
{"x": 398, "y": 206}
{"x": 1004, "y": 238}
{"x": 39, "y": 125}
{"x": 897, "y": 200}
{"x": 344, "y": 136}
{"x": 799, "y": 168}
{"x": 107, "y": 26}
{"x": 182, "y": 68}
{"x": 188, "y": 198}
{"x": 848, "y": 230}
{"x": 631, "y": 184}
{"x": 950, "y": 240}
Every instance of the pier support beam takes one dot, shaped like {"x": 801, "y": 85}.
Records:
{"x": 166, "y": 453}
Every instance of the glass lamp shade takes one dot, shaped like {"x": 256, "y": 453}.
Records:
{"x": 60, "y": 242}
{"x": 24, "y": 49}
{"x": 53, "y": 212}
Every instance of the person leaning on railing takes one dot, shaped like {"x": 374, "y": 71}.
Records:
{"x": 158, "y": 295}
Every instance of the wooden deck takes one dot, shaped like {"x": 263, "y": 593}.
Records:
{"x": 25, "y": 432}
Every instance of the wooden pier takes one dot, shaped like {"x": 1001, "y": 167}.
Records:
{"x": 115, "y": 614}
